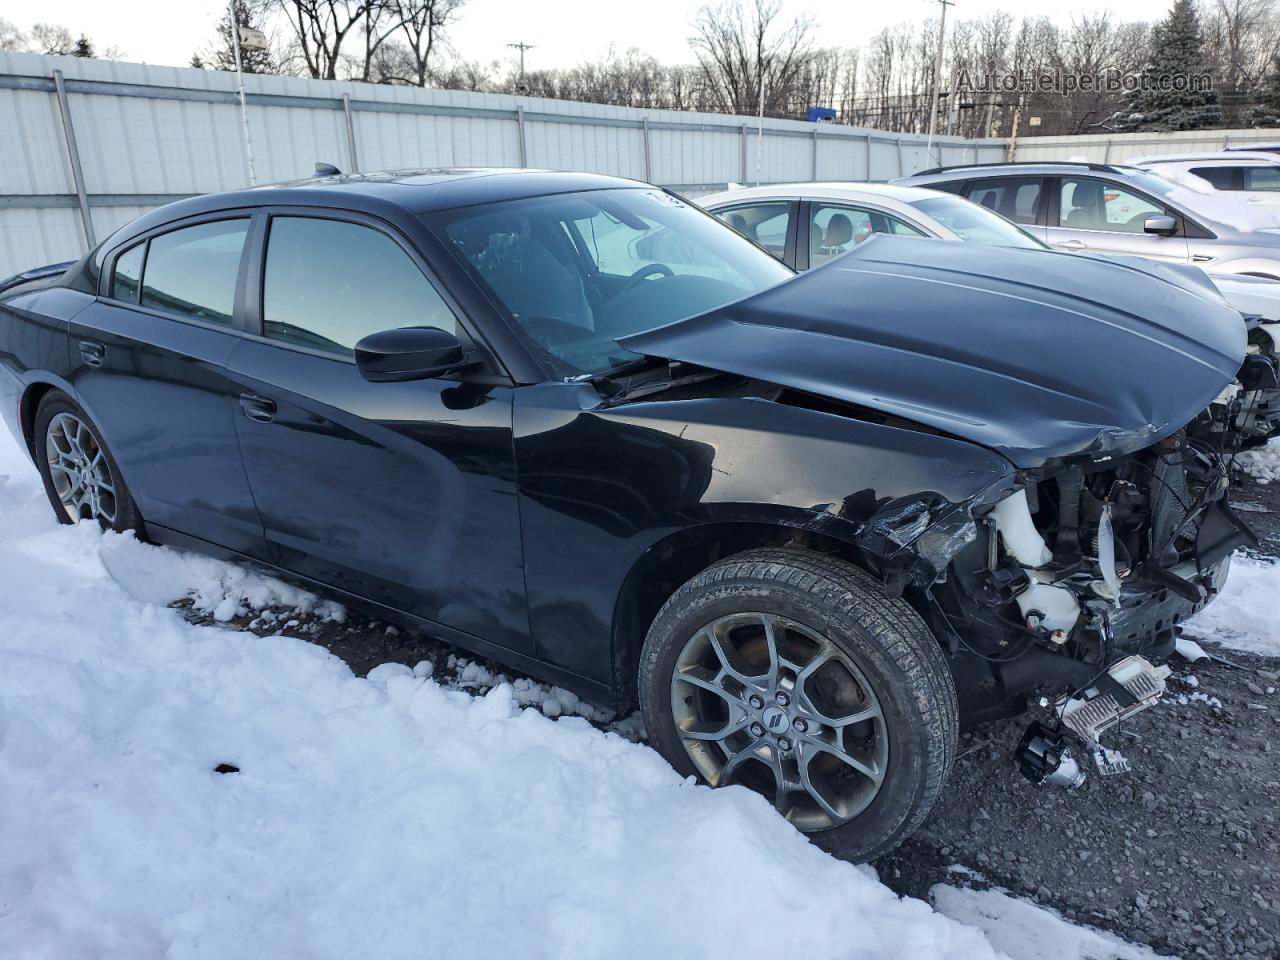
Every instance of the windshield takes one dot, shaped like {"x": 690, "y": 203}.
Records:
{"x": 577, "y": 272}
{"x": 972, "y": 221}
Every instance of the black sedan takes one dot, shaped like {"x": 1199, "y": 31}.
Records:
{"x": 577, "y": 425}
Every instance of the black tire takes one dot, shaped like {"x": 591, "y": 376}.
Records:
{"x": 124, "y": 512}
{"x": 884, "y": 637}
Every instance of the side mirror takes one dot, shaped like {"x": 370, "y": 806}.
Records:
{"x": 1160, "y": 225}
{"x": 410, "y": 353}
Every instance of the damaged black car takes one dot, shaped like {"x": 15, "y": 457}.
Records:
{"x": 811, "y": 524}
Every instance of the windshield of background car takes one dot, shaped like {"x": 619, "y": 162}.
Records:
{"x": 577, "y": 272}
{"x": 976, "y": 223}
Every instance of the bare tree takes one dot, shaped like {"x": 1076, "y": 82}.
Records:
{"x": 319, "y": 28}
{"x": 742, "y": 52}
{"x": 11, "y": 38}
{"x": 221, "y": 55}
{"x": 49, "y": 38}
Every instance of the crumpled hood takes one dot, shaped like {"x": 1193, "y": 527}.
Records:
{"x": 1033, "y": 354}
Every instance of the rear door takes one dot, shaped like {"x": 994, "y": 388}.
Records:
{"x": 1091, "y": 215}
{"x": 150, "y": 367}
{"x": 402, "y": 493}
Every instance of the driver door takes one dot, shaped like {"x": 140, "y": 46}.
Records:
{"x": 400, "y": 493}
{"x": 1101, "y": 216}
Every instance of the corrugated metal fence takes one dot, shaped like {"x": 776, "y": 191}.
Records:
{"x": 86, "y": 145}
{"x": 1120, "y": 147}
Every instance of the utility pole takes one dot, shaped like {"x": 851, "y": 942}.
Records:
{"x": 937, "y": 79}
{"x": 244, "y": 110}
{"x": 522, "y": 47}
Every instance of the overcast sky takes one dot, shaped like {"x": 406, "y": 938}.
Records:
{"x": 563, "y": 32}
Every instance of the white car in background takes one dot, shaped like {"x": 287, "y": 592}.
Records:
{"x": 1254, "y": 177}
{"x": 807, "y": 224}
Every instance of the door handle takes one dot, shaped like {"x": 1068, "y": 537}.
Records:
{"x": 1071, "y": 245}
{"x": 257, "y": 409}
{"x": 93, "y": 352}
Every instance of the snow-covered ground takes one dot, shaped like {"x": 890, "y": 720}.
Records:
{"x": 1262, "y": 463}
{"x": 386, "y": 816}
{"x": 1246, "y": 615}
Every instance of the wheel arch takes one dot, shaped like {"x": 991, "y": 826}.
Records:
{"x": 671, "y": 562}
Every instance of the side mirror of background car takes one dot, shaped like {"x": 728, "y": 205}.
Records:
{"x": 1160, "y": 225}
{"x": 410, "y": 353}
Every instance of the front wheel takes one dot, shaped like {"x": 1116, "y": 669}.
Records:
{"x": 80, "y": 475}
{"x": 793, "y": 674}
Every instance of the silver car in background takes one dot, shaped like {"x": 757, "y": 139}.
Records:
{"x": 1252, "y": 177}
{"x": 1111, "y": 209}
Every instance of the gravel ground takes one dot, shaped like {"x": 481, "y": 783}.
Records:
{"x": 1183, "y": 853}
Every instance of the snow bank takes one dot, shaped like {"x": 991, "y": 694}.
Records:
{"x": 1025, "y": 931}
{"x": 385, "y": 817}
{"x": 1262, "y": 463}
{"x": 1246, "y": 615}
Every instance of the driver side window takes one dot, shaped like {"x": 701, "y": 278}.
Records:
{"x": 1088, "y": 204}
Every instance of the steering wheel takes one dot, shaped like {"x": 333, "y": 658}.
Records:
{"x": 648, "y": 270}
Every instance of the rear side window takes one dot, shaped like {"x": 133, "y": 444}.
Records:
{"x": 329, "y": 283}
{"x": 835, "y": 229}
{"x": 1014, "y": 198}
{"x": 1222, "y": 178}
{"x": 192, "y": 272}
{"x": 124, "y": 284}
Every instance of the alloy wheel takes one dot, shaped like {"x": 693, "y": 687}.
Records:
{"x": 766, "y": 702}
{"x": 78, "y": 467}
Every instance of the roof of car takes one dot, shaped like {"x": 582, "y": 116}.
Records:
{"x": 405, "y": 191}
{"x": 837, "y": 189}
{"x": 1234, "y": 156}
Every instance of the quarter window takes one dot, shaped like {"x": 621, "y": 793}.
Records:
{"x": 329, "y": 283}
{"x": 124, "y": 285}
{"x": 765, "y": 223}
{"x": 1262, "y": 178}
{"x": 192, "y": 272}
{"x": 1097, "y": 205}
{"x": 1222, "y": 178}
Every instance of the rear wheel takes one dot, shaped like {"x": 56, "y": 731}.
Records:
{"x": 80, "y": 475}
{"x": 793, "y": 674}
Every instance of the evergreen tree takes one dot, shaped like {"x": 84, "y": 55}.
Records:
{"x": 222, "y": 55}
{"x": 1168, "y": 97}
{"x": 83, "y": 47}
{"x": 1266, "y": 110}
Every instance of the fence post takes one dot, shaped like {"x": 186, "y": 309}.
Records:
{"x": 73, "y": 155}
{"x": 524, "y": 154}
{"x": 814, "y": 177}
{"x": 1106, "y": 154}
{"x": 742, "y": 166}
{"x": 351, "y": 133}
{"x": 902, "y": 166}
{"x": 866, "y": 175}
{"x": 648, "y": 162}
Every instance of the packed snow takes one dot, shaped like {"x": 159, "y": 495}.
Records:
{"x": 1025, "y": 931}
{"x": 1262, "y": 463}
{"x": 383, "y": 817}
{"x": 1246, "y": 615}
{"x": 184, "y": 790}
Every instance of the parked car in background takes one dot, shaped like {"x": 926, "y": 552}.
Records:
{"x": 811, "y": 523}
{"x": 1254, "y": 177}
{"x": 806, "y": 224}
{"x": 1110, "y": 209}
